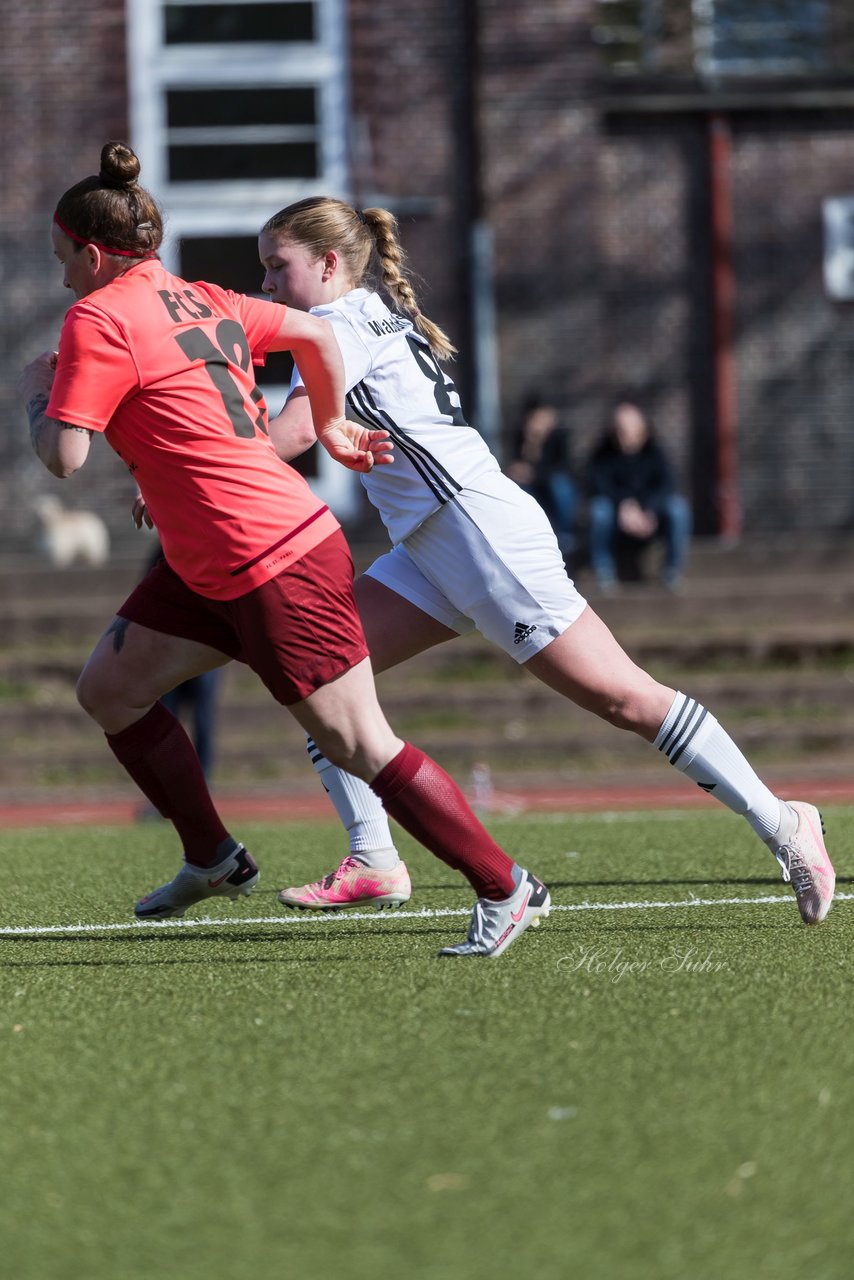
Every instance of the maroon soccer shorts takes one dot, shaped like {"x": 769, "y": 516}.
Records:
{"x": 297, "y": 632}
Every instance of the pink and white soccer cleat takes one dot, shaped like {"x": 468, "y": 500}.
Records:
{"x": 352, "y": 885}
{"x": 806, "y": 864}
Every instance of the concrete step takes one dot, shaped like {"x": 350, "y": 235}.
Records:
{"x": 45, "y": 609}
{"x": 767, "y": 644}
{"x": 756, "y": 562}
{"x": 518, "y": 726}
{"x": 789, "y": 596}
{"x": 61, "y": 644}
{"x": 513, "y": 758}
{"x": 246, "y": 705}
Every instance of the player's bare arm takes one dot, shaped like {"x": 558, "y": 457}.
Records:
{"x": 62, "y": 446}
{"x": 292, "y": 430}
{"x": 315, "y": 350}
{"x": 313, "y": 345}
{"x": 349, "y": 443}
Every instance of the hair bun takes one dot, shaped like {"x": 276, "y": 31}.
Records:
{"x": 119, "y": 165}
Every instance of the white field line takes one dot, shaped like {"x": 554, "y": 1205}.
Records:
{"x": 383, "y": 917}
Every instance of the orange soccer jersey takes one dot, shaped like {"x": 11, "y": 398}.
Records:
{"x": 164, "y": 369}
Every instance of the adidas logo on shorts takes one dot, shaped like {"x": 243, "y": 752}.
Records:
{"x": 522, "y": 632}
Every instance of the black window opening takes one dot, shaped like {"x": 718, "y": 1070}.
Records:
{"x": 239, "y": 23}
{"x": 242, "y": 162}
{"x": 261, "y": 132}
{"x": 218, "y": 107}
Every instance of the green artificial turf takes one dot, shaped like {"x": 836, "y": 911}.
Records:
{"x": 649, "y": 1092}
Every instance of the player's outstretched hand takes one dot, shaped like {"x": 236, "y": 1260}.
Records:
{"x": 357, "y": 447}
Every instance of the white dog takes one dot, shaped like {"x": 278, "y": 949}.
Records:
{"x": 71, "y": 536}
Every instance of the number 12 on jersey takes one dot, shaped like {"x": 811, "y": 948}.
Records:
{"x": 231, "y": 347}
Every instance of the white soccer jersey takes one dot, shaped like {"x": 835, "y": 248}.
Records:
{"x": 394, "y": 381}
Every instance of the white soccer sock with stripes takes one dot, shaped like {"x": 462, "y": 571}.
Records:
{"x": 699, "y": 747}
{"x": 361, "y": 813}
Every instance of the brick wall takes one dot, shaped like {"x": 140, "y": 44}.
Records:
{"x": 795, "y": 345}
{"x": 603, "y": 268}
{"x": 63, "y": 95}
{"x": 590, "y": 241}
{"x": 600, "y": 221}
{"x": 405, "y": 73}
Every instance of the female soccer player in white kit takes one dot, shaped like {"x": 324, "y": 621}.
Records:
{"x": 473, "y": 551}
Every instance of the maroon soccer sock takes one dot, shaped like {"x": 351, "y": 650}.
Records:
{"x": 428, "y": 804}
{"x": 162, "y": 761}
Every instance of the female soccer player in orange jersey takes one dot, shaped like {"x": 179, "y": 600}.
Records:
{"x": 256, "y": 566}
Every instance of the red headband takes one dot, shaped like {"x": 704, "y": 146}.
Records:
{"x": 121, "y": 253}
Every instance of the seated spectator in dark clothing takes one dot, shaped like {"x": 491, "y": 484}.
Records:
{"x": 541, "y": 465}
{"x": 632, "y": 496}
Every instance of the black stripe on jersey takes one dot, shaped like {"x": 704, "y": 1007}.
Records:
{"x": 434, "y": 475}
{"x": 313, "y": 753}
{"x": 690, "y": 717}
{"x": 439, "y": 481}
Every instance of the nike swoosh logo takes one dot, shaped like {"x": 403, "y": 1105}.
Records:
{"x": 516, "y": 916}
{"x": 213, "y": 884}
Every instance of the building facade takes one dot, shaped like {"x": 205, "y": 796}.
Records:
{"x": 602, "y": 196}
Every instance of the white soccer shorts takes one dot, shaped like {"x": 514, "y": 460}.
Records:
{"x": 487, "y": 561}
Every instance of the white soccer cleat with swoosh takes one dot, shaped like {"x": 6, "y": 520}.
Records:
{"x": 495, "y": 925}
{"x": 234, "y": 877}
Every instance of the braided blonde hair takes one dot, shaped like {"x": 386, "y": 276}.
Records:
{"x": 360, "y": 238}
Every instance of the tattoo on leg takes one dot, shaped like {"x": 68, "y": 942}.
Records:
{"x": 117, "y": 630}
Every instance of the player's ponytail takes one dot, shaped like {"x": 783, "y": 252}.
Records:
{"x": 392, "y": 261}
